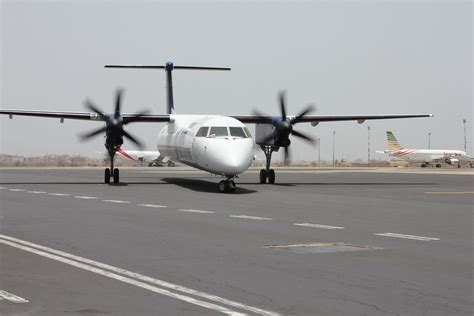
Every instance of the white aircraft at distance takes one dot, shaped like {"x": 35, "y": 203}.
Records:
{"x": 426, "y": 157}
{"x": 218, "y": 144}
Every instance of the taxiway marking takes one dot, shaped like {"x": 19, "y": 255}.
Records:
{"x": 318, "y": 226}
{"x": 4, "y": 295}
{"x": 251, "y": 217}
{"x": 152, "y": 205}
{"x": 17, "y": 190}
{"x": 195, "y": 211}
{"x": 407, "y": 236}
{"x": 447, "y": 193}
{"x": 85, "y": 197}
{"x": 99, "y": 268}
{"x": 36, "y": 192}
{"x": 3, "y": 188}
{"x": 116, "y": 201}
{"x": 59, "y": 194}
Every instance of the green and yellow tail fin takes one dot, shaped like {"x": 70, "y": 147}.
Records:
{"x": 393, "y": 143}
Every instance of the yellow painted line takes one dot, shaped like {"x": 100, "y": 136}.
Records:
{"x": 447, "y": 193}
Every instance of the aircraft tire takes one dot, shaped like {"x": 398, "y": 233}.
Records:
{"x": 231, "y": 185}
{"x": 263, "y": 176}
{"x": 107, "y": 175}
{"x": 223, "y": 186}
{"x": 438, "y": 165}
{"x": 116, "y": 175}
{"x": 271, "y": 176}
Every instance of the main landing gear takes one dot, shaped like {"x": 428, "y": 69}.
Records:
{"x": 112, "y": 172}
{"x": 267, "y": 173}
{"x": 227, "y": 185}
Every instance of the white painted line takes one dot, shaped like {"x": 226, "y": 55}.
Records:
{"x": 125, "y": 279}
{"x": 10, "y": 241}
{"x": 3, "y": 188}
{"x": 36, "y": 192}
{"x": 152, "y": 205}
{"x": 407, "y": 236}
{"x": 11, "y": 297}
{"x": 17, "y": 190}
{"x": 318, "y": 226}
{"x": 196, "y": 211}
{"x": 85, "y": 197}
{"x": 251, "y": 217}
{"x": 116, "y": 201}
{"x": 58, "y": 194}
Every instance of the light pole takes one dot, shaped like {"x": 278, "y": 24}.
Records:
{"x": 429, "y": 140}
{"x": 319, "y": 152}
{"x": 465, "y": 139}
{"x": 333, "y": 148}
{"x": 368, "y": 145}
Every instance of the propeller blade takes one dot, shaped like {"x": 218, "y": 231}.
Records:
{"x": 287, "y": 155}
{"x": 91, "y": 106}
{"x": 132, "y": 138}
{"x": 262, "y": 116}
{"x": 302, "y": 114}
{"x": 93, "y": 133}
{"x": 303, "y": 136}
{"x": 135, "y": 117}
{"x": 282, "y": 105}
{"x": 118, "y": 102}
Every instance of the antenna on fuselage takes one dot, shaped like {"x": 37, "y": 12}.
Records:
{"x": 169, "y": 80}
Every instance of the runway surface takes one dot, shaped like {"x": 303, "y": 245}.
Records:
{"x": 164, "y": 242}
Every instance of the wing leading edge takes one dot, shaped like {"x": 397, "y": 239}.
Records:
{"x": 315, "y": 119}
{"x": 86, "y": 116}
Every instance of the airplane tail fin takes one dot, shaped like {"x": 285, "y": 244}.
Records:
{"x": 393, "y": 143}
{"x": 169, "y": 67}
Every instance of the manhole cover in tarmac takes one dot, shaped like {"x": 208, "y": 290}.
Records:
{"x": 322, "y": 247}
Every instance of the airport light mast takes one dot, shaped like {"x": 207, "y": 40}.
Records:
{"x": 465, "y": 139}
{"x": 333, "y": 148}
{"x": 368, "y": 145}
{"x": 319, "y": 151}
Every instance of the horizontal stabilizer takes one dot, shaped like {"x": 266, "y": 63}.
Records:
{"x": 165, "y": 67}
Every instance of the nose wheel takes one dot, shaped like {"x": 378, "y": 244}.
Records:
{"x": 226, "y": 186}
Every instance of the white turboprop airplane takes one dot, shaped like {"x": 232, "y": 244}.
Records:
{"x": 218, "y": 144}
{"x": 147, "y": 157}
{"x": 425, "y": 156}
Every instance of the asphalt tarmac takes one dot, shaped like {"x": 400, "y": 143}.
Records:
{"x": 165, "y": 242}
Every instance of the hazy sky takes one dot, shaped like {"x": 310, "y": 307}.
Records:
{"x": 348, "y": 57}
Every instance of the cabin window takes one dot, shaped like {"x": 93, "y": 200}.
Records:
{"x": 247, "y": 132}
{"x": 237, "y": 132}
{"x": 202, "y": 132}
{"x": 218, "y": 131}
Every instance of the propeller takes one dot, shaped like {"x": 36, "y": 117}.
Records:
{"x": 284, "y": 126}
{"x": 114, "y": 123}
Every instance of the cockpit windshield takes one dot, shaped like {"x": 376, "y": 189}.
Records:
{"x": 237, "y": 132}
{"x": 218, "y": 131}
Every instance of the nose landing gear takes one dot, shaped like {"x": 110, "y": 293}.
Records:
{"x": 227, "y": 185}
{"x": 111, "y": 172}
{"x": 267, "y": 173}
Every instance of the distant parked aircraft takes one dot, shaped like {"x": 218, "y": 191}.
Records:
{"x": 426, "y": 157}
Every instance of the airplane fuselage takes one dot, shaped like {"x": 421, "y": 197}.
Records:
{"x": 217, "y": 144}
{"x": 430, "y": 155}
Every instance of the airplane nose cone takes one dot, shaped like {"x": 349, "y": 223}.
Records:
{"x": 234, "y": 156}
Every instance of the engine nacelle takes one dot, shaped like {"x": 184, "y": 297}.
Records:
{"x": 451, "y": 161}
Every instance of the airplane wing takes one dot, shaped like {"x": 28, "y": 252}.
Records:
{"x": 315, "y": 119}
{"x": 87, "y": 116}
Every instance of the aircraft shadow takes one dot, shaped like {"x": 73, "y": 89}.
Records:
{"x": 203, "y": 185}
{"x": 288, "y": 184}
